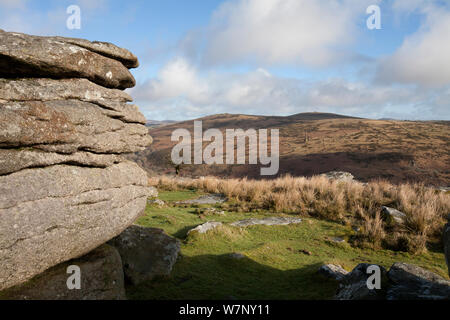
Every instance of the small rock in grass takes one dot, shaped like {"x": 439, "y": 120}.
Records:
{"x": 153, "y": 192}
{"x": 236, "y": 255}
{"x": 203, "y": 228}
{"x": 338, "y": 175}
{"x": 333, "y": 271}
{"x": 393, "y": 215}
{"x": 157, "y": 202}
{"x": 206, "y": 199}
{"x": 338, "y": 239}
{"x": 267, "y": 221}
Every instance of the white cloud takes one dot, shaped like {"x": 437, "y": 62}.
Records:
{"x": 177, "y": 78}
{"x": 310, "y": 32}
{"x": 180, "y": 91}
{"x": 13, "y": 3}
{"x": 19, "y": 16}
{"x": 423, "y": 58}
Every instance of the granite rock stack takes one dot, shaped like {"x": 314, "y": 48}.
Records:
{"x": 65, "y": 122}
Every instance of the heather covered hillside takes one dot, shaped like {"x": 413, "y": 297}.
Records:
{"x": 314, "y": 143}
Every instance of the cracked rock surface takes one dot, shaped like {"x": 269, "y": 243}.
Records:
{"x": 65, "y": 188}
{"x": 102, "y": 278}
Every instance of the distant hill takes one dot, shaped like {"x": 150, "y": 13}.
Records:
{"x": 157, "y": 124}
{"x": 313, "y": 143}
{"x": 318, "y": 116}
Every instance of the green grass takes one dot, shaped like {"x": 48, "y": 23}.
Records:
{"x": 274, "y": 267}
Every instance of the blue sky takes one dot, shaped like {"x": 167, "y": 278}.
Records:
{"x": 272, "y": 57}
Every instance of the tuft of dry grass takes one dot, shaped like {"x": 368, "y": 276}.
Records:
{"x": 344, "y": 201}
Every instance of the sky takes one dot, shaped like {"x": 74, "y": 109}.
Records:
{"x": 266, "y": 57}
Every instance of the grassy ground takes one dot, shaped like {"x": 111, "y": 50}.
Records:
{"x": 275, "y": 266}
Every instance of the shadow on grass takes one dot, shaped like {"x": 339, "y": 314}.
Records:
{"x": 221, "y": 277}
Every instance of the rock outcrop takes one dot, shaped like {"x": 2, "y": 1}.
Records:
{"x": 101, "y": 279}
{"x": 353, "y": 285}
{"x": 57, "y": 57}
{"x": 65, "y": 189}
{"x": 410, "y": 282}
{"x": 333, "y": 271}
{"x": 402, "y": 282}
{"x": 146, "y": 253}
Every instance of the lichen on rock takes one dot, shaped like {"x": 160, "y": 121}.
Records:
{"x": 65, "y": 188}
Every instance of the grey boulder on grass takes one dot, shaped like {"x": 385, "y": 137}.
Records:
{"x": 392, "y": 215}
{"x": 333, "y": 271}
{"x": 410, "y": 282}
{"x": 146, "y": 253}
{"x": 353, "y": 285}
{"x": 101, "y": 278}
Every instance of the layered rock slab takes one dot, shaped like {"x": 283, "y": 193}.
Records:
{"x": 23, "y": 55}
{"x": 112, "y": 101}
{"x": 101, "y": 278}
{"x": 68, "y": 126}
{"x": 65, "y": 189}
{"x": 49, "y": 215}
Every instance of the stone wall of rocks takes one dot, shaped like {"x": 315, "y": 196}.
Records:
{"x": 65, "y": 189}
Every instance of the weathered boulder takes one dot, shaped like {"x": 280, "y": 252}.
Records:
{"x": 272, "y": 221}
{"x": 101, "y": 279}
{"x": 146, "y": 253}
{"x": 402, "y": 282}
{"x": 65, "y": 188}
{"x": 13, "y": 160}
{"x": 106, "y": 49}
{"x": 68, "y": 126}
{"x": 410, "y": 282}
{"x": 333, "y": 271}
{"x": 23, "y": 55}
{"x": 392, "y": 215}
{"x": 111, "y": 101}
{"x": 354, "y": 285}
{"x": 52, "y": 214}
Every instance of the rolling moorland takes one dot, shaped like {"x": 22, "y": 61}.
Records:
{"x": 341, "y": 221}
{"x": 314, "y": 143}
{"x": 340, "y": 224}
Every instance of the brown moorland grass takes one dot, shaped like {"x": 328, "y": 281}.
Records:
{"x": 350, "y": 202}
